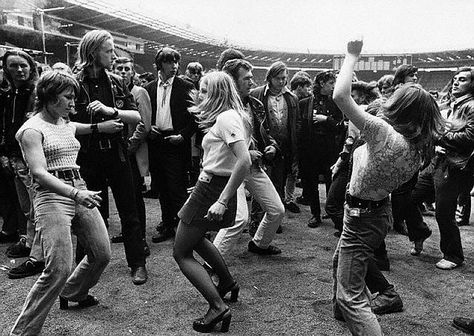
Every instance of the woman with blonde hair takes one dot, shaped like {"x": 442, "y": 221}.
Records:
{"x": 213, "y": 202}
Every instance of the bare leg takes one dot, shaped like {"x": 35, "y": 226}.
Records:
{"x": 187, "y": 239}
{"x": 211, "y": 255}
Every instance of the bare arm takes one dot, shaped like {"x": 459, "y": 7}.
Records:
{"x": 127, "y": 116}
{"x": 242, "y": 166}
{"x": 31, "y": 144}
{"x": 108, "y": 126}
{"x": 342, "y": 90}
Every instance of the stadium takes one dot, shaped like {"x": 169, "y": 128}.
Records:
{"x": 289, "y": 293}
{"x": 51, "y": 30}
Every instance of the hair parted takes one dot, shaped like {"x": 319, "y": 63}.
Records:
{"x": 51, "y": 84}
{"x": 90, "y": 45}
{"x": 275, "y": 69}
{"x": 165, "y": 55}
{"x": 31, "y": 62}
{"x": 222, "y": 96}
{"x": 471, "y": 71}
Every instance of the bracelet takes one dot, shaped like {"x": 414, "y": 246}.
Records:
{"x": 222, "y": 203}
{"x": 116, "y": 113}
{"x": 94, "y": 128}
{"x": 73, "y": 193}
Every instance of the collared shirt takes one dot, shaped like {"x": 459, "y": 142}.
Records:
{"x": 455, "y": 104}
{"x": 278, "y": 115}
{"x": 163, "y": 109}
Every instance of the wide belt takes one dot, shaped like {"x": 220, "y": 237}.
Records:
{"x": 355, "y": 202}
{"x": 66, "y": 174}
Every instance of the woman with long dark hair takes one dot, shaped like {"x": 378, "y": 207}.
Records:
{"x": 213, "y": 202}
{"x": 61, "y": 202}
{"x": 398, "y": 140}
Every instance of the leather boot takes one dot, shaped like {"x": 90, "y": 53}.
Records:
{"x": 387, "y": 302}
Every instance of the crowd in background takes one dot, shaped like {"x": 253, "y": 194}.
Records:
{"x": 224, "y": 155}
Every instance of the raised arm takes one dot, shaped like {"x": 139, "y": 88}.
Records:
{"x": 342, "y": 90}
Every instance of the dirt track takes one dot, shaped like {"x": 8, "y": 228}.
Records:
{"x": 283, "y": 295}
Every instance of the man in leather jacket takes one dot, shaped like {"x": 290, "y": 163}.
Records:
{"x": 262, "y": 150}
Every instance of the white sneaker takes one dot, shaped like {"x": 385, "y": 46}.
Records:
{"x": 446, "y": 265}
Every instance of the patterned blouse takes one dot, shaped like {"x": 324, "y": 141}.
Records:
{"x": 386, "y": 161}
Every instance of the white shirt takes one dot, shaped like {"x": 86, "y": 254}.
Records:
{"x": 163, "y": 109}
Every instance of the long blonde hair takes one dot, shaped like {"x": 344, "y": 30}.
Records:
{"x": 222, "y": 96}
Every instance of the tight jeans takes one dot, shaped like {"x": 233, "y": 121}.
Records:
{"x": 55, "y": 217}
{"x": 361, "y": 235}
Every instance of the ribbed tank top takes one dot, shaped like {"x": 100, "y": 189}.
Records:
{"x": 60, "y": 146}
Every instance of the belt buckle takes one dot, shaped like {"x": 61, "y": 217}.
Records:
{"x": 105, "y": 144}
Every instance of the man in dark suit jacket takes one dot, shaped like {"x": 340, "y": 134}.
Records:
{"x": 169, "y": 142}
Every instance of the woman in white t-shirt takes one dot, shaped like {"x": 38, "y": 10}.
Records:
{"x": 398, "y": 140}
{"x": 212, "y": 204}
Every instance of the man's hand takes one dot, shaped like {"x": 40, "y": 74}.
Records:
{"x": 319, "y": 118}
{"x": 110, "y": 126}
{"x": 269, "y": 152}
{"x": 174, "y": 139}
{"x": 97, "y": 107}
{"x": 440, "y": 150}
{"x": 255, "y": 155}
{"x": 354, "y": 47}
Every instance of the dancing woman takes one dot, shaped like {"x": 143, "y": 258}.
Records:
{"x": 397, "y": 141}
{"x": 213, "y": 202}
{"x": 61, "y": 202}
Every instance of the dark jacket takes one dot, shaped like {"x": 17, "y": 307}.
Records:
{"x": 15, "y": 104}
{"x": 180, "y": 101}
{"x": 121, "y": 99}
{"x": 261, "y": 129}
{"x": 292, "y": 103}
{"x": 459, "y": 144}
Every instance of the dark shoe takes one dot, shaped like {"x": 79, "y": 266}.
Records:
{"x": 292, "y": 207}
{"x": 87, "y": 302}
{"x": 146, "y": 249}
{"x": 337, "y": 313}
{"x": 464, "y": 324}
{"x": 8, "y": 238}
{"x": 224, "y": 317}
{"x": 387, "y": 302}
{"x": 233, "y": 288}
{"x": 18, "y": 250}
{"x": 270, "y": 250}
{"x": 383, "y": 263}
{"x": 314, "y": 222}
{"x": 28, "y": 268}
{"x": 163, "y": 235}
{"x": 117, "y": 239}
{"x": 418, "y": 245}
{"x": 280, "y": 229}
{"x": 139, "y": 275}
{"x": 301, "y": 200}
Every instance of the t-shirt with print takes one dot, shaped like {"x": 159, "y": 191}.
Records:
{"x": 383, "y": 163}
{"x": 218, "y": 158}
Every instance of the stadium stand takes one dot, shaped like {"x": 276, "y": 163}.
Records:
{"x": 139, "y": 36}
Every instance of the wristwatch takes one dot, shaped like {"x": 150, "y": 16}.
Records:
{"x": 116, "y": 113}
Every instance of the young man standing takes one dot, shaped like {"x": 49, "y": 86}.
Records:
{"x": 105, "y": 102}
